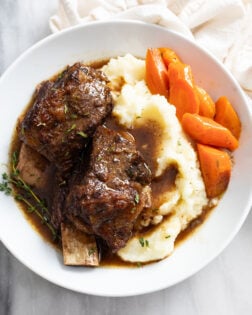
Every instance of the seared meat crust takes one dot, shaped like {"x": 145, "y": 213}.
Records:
{"x": 65, "y": 113}
{"x": 110, "y": 195}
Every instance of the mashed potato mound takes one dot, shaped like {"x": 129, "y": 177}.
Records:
{"x": 135, "y": 105}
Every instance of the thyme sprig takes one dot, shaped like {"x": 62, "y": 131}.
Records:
{"x": 27, "y": 195}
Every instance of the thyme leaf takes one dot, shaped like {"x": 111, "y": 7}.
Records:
{"x": 4, "y": 187}
{"x": 60, "y": 75}
{"x": 82, "y": 134}
{"x": 136, "y": 198}
{"x": 74, "y": 116}
{"x": 65, "y": 109}
{"x": 26, "y": 194}
{"x": 143, "y": 242}
{"x": 71, "y": 128}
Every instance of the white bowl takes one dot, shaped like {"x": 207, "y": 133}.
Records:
{"x": 100, "y": 41}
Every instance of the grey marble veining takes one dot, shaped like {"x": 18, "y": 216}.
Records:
{"x": 223, "y": 287}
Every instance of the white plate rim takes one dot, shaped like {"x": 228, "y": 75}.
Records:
{"x": 136, "y": 292}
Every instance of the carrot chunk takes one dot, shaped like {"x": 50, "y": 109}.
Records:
{"x": 227, "y": 116}
{"x": 156, "y": 73}
{"x": 206, "y": 104}
{"x": 169, "y": 56}
{"x": 216, "y": 169}
{"x": 206, "y": 131}
{"x": 183, "y": 94}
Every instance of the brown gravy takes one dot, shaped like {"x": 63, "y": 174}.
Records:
{"x": 148, "y": 138}
{"x": 32, "y": 218}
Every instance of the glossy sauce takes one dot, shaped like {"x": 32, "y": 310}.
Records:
{"x": 32, "y": 218}
{"x": 148, "y": 139}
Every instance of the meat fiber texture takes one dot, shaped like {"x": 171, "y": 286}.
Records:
{"x": 135, "y": 105}
{"x": 111, "y": 194}
{"x": 62, "y": 116}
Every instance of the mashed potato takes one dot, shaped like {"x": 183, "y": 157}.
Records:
{"x": 135, "y": 105}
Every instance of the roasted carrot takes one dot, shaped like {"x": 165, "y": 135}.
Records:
{"x": 169, "y": 56}
{"x": 183, "y": 94}
{"x": 216, "y": 167}
{"x": 156, "y": 73}
{"x": 227, "y": 116}
{"x": 206, "y": 104}
{"x": 206, "y": 131}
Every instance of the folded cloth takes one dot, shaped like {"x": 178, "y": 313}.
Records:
{"x": 223, "y": 27}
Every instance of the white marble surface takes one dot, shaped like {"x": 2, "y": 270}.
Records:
{"x": 223, "y": 287}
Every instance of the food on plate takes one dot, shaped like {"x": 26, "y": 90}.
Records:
{"x": 112, "y": 191}
{"x": 168, "y": 55}
{"x": 62, "y": 116}
{"x": 206, "y": 103}
{"x": 156, "y": 73}
{"x": 179, "y": 202}
{"x": 216, "y": 169}
{"x": 215, "y": 124}
{"x": 208, "y": 131}
{"x": 182, "y": 92}
{"x": 227, "y": 117}
{"x": 117, "y": 159}
{"x": 79, "y": 249}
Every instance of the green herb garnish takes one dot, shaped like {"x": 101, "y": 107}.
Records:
{"x": 143, "y": 242}
{"x": 4, "y": 186}
{"x": 83, "y": 134}
{"x": 26, "y": 194}
{"x": 136, "y": 198}
{"x": 73, "y": 116}
{"x": 71, "y": 128}
{"x": 60, "y": 75}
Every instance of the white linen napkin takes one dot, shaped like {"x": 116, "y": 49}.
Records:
{"x": 221, "y": 26}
